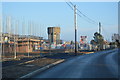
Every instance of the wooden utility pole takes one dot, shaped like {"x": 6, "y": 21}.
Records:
{"x": 99, "y": 28}
{"x": 75, "y": 24}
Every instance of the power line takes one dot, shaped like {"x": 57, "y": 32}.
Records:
{"x": 72, "y": 8}
{"x": 84, "y": 16}
{"x": 78, "y": 14}
{"x": 69, "y": 5}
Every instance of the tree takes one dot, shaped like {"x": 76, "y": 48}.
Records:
{"x": 72, "y": 42}
{"x": 118, "y": 43}
{"x": 98, "y": 40}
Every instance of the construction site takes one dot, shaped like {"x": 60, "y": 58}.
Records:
{"x": 20, "y": 44}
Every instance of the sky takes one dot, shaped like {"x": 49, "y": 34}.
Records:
{"x": 49, "y": 14}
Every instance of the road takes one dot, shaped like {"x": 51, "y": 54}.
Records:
{"x": 102, "y": 64}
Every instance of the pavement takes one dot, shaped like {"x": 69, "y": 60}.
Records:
{"x": 102, "y": 64}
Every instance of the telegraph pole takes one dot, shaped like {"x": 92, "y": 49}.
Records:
{"x": 101, "y": 43}
{"x": 99, "y": 28}
{"x": 75, "y": 24}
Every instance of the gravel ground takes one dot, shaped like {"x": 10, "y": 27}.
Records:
{"x": 19, "y": 70}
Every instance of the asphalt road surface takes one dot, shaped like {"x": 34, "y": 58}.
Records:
{"x": 102, "y": 64}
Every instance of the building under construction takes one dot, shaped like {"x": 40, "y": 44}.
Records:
{"x": 54, "y": 35}
{"x": 20, "y": 43}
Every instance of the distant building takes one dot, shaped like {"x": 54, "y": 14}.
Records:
{"x": 115, "y": 37}
{"x": 83, "y": 42}
{"x": 54, "y": 35}
{"x": 83, "y": 39}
